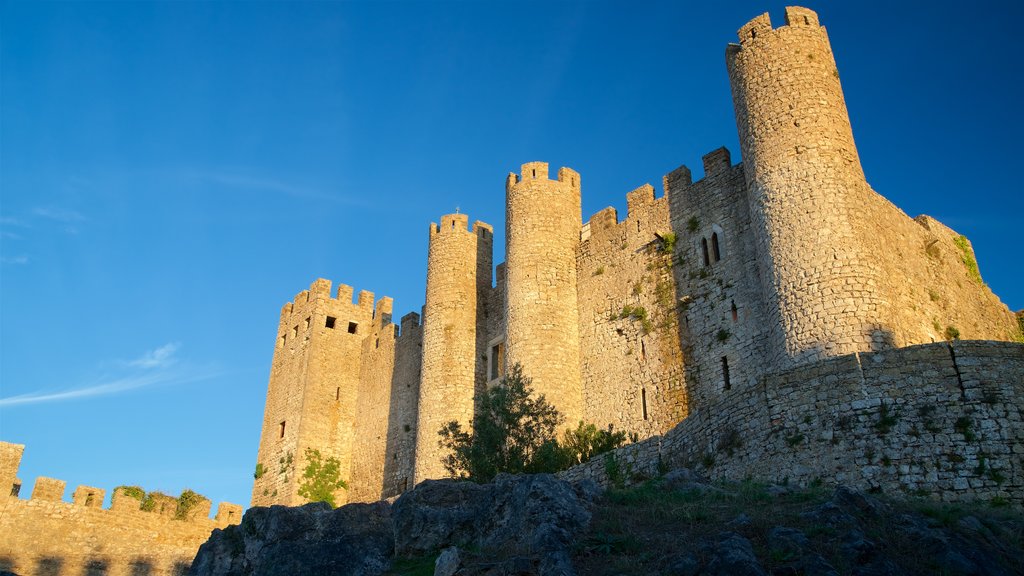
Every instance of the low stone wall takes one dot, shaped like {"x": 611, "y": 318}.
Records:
{"x": 937, "y": 420}
{"x": 46, "y": 536}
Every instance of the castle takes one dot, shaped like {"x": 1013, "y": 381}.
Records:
{"x": 765, "y": 308}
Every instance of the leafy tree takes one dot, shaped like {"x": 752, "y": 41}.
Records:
{"x": 512, "y": 432}
{"x": 321, "y": 478}
{"x": 587, "y": 441}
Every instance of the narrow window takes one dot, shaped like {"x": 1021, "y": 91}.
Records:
{"x": 753, "y": 34}
{"x": 330, "y": 322}
{"x": 497, "y": 357}
{"x": 704, "y": 250}
{"x": 735, "y": 312}
{"x": 282, "y": 429}
{"x": 725, "y": 372}
{"x": 714, "y": 247}
{"x": 283, "y": 340}
{"x": 307, "y": 324}
{"x": 295, "y": 332}
{"x": 377, "y": 343}
{"x": 352, "y": 327}
{"x": 807, "y": 21}
{"x": 90, "y": 498}
{"x": 337, "y": 394}
{"x": 535, "y": 173}
{"x": 637, "y": 225}
{"x": 643, "y": 401}
{"x": 643, "y": 351}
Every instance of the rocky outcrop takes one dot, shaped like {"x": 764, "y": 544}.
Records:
{"x": 517, "y": 524}
{"x": 537, "y": 524}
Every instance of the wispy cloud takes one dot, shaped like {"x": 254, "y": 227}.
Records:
{"x": 18, "y": 260}
{"x": 8, "y": 221}
{"x": 161, "y": 357}
{"x": 259, "y": 184}
{"x": 58, "y": 214}
{"x": 157, "y": 366}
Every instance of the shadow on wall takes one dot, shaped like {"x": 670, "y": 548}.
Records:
{"x": 57, "y": 566}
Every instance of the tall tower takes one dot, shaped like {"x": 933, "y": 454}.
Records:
{"x": 542, "y": 234}
{"x": 806, "y": 187}
{"x": 454, "y": 340}
{"x": 311, "y": 398}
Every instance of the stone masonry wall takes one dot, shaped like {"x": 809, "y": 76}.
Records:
{"x": 48, "y": 536}
{"x": 806, "y": 192}
{"x": 630, "y": 354}
{"x": 934, "y": 294}
{"x": 314, "y": 381}
{"x": 721, "y": 299}
{"x": 542, "y": 226}
{"x": 373, "y": 404}
{"x": 402, "y": 415}
{"x": 939, "y": 420}
{"x": 453, "y": 347}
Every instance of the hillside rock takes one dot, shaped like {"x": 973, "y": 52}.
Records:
{"x": 524, "y": 524}
{"x": 356, "y": 539}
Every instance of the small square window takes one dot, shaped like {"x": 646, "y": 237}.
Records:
{"x": 330, "y": 322}
{"x": 352, "y": 326}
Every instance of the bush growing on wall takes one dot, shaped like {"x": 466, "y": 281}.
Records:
{"x": 321, "y": 478}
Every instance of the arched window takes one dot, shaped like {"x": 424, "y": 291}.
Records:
{"x": 714, "y": 247}
{"x": 704, "y": 250}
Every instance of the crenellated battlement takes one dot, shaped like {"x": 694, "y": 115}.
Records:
{"x": 761, "y": 26}
{"x": 51, "y": 491}
{"x": 539, "y": 171}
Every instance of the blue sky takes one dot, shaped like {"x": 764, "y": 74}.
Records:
{"x": 171, "y": 173}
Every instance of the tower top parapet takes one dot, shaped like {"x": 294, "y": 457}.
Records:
{"x": 761, "y": 26}
{"x": 539, "y": 171}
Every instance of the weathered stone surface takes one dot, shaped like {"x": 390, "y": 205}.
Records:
{"x": 356, "y": 540}
{"x": 528, "y": 515}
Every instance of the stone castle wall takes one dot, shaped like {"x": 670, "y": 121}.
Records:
{"x": 938, "y": 420}
{"x": 806, "y": 192}
{"x": 314, "y": 378}
{"x": 784, "y": 264}
{"x": 454, "y": 345}
{"x": 630, "y": 354}
{"x": 542, "y": 225}
{"x": 45, "y": 535}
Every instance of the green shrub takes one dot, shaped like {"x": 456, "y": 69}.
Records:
{"x": 668, "y": 243}
{"x": 186, "y": 502}
{"x": 587, "y": 441}
{"x": 321, "y": 478}
{"x": 260, "y": 471}
{"x": 951, "y": 333}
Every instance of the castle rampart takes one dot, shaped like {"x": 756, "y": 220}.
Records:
{"x": 46, "y": 535}
{"x": 938, "y": 420}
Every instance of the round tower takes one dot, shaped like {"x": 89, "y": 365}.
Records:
{"x": 542, "y": 233}
{"x": 806, "y": 191}
{"x": 458, "y": 269}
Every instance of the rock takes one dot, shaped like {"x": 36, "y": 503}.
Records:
{"x": 787, "y": 539}
{"x": 854, "y": 502}
{"x": 356, "y": 539}
{"x": 686, "y": 565}
{"x": 739, "y": 521}
{"x": 731, "y": 555}
{"x": 448, "y": 562}
{"x": 537, "y": 516}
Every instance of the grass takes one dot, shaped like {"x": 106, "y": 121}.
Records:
{"x": 643, "y": 530}
{"x": 967, "y": 257}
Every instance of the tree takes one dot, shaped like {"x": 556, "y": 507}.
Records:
{"x": 321, "y": 478}
{"x": 512, "y": 432}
